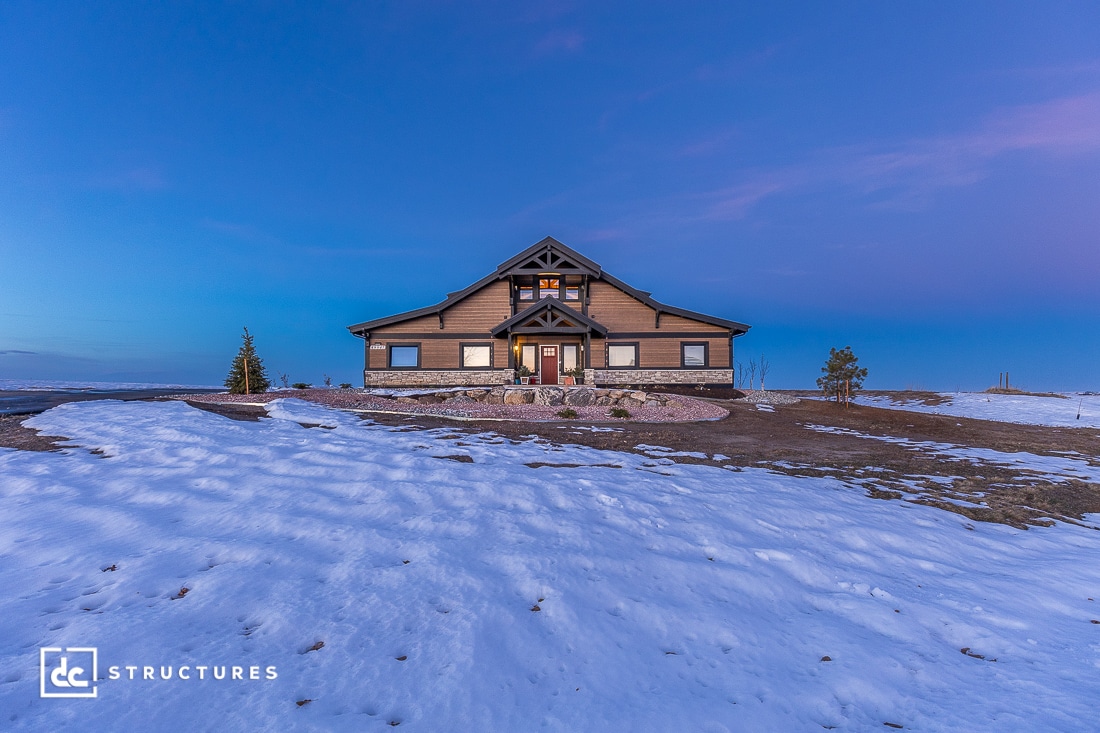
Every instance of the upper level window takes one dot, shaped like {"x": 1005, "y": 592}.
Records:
{"x": 526, "y": 292}
{"x": 404, "y": 356}
{"x": 622, "y": 355}
{"x": 693, "y": 355}
{"x": 549, "y": 287}
{"x": 572, "y": 292}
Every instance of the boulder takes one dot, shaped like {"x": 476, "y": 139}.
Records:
{"x": 429, "y": 399}
{"x": 519, "y": 396}
{"x": 581, "y": 397}
{"x": 604, "y": 401}
{"x": 652, "y": 403}
{"x": 407, "y": 400}
{"x": 551, "y": 396}
{"x": 462, "y": 400}
{"x": 629, "y": 402}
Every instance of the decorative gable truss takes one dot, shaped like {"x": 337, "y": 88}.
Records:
{"x": 549, "y": 315}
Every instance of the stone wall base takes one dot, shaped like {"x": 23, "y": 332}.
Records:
{"x": 455, "y": 378}
{"x": 711, "y": 377}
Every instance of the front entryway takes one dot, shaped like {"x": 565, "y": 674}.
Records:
{"x": 549, "y": 367}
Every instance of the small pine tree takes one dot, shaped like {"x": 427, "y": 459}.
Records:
{"x": 841, "y": 376}
{"x": 257, "y": 376}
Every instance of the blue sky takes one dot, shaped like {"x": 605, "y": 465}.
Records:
{"x": 920, "y": 181}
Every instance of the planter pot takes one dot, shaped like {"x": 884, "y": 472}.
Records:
{"x": 569, "y": 381}
{"x": 524, "y": 380}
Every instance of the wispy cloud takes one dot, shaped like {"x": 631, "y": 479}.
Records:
{"x": 246, "y": 232}
{"x": 17, "y": 351}
{"x": 139, "y": 178}
{"x": 913, "y": 171}
{"x": 559, "y": 41}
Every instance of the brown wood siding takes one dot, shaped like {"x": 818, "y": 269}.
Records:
{"x": 476, "y": 313}
{"x": 480, "y": 311}
{"x": 616, "y": 310}
{"x": 664, "y": 353}
{"x": 440, "y": 353}
{"x": 679, "y": 323}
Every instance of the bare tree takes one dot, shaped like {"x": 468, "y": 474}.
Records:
{"x": 752, "y": 373}
{"x": 285, "y": 379}
{"x": 764, "y": 366}
{"x": 740, "y": 375}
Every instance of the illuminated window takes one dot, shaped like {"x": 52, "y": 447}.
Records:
{"x": 572, "y": 292}
{"x": 526, "y": 292}
{"x": 528, "y": 359}
{"x": 622, "y": 356}
{"x": 549, "y": 287}
{"x": 568, "y": 357}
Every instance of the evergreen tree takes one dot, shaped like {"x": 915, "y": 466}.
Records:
{"x": 257, "y": 376}
{"x": 841, "y": 377}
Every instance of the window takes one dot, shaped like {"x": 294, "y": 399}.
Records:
{"x": 549, "y": 287}
{"x": 526, "y": 292}
{"x": 477, "y": 356}
{"x": 405, "y": 357}
{"x": 572, "y": 292}
{"x": 622, "y": 356}
{"x": 568, "y": 357}
{"x": 529, "y": 357}
{"x": 693, "y": 355}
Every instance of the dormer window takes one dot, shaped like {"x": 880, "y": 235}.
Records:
{"x": 549, "y": 287}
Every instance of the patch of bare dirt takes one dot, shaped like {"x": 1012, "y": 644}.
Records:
{"x": 13, "y": 434}
{"x": 780, "y": 441}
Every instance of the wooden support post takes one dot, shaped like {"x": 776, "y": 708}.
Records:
{"x": 846, "y": 393}
{"x": 245, "y": 359}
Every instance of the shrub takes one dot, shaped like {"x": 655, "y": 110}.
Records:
{"x": 619, "y": 412}
{"x": 568, "y": 413}
{"x": 345, "y": 385}
{"x": 301, "y": 385}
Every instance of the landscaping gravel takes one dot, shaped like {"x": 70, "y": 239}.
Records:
{"x": 679, "y": 409}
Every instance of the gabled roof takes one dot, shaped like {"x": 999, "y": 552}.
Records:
{"x": 549, "y": 255}
{"x": 551, "y": 315}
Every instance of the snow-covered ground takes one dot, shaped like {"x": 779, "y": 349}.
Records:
{"x": 1026, "y": 409}
{"x": 34, "y": 385}
{"x": 457, "y": 588}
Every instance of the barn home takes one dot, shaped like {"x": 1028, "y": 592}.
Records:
{"x": 554, "y": 311}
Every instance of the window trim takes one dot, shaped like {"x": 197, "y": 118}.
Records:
{"x": 637, "y": 355}
{"x": 462, "y": 362}
{"x": 706, "y": 355}
{"x": 389, "y": 354}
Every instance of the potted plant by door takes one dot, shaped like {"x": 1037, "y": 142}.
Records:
{"x": 577, "y": 373}
{"x": 523, "y": 373}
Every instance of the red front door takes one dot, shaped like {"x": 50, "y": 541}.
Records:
{"x": 549, "y": 365}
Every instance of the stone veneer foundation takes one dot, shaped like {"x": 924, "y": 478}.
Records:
{"x": 592, "y": 377}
